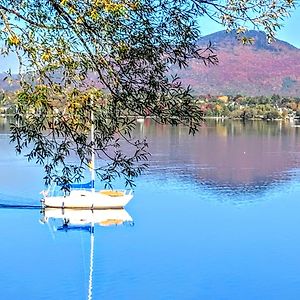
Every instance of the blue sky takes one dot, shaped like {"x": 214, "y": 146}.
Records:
{"x": 289, "y": 33}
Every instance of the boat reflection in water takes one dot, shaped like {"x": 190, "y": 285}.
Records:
{"x": 73, "y": 219}
{"x": 86, "y": 220}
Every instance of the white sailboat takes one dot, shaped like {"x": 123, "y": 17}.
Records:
{"x": 86, "y": 219}
{"x": 85, "y": 196}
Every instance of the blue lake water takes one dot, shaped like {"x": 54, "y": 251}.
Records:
{"x": 216, "y": 216}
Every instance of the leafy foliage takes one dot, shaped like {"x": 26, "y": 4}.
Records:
{"x": 129, "y": 48}
{"x": 242, "y": 107}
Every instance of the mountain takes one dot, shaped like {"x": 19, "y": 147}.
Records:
{"x": 257, "y": 69}
{"x": 253, "y": 70}
{"x": 9, "y": 84}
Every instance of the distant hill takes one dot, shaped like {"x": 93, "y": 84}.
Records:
{"x": 257, "y": 69}
{"x": 8, "y": 85}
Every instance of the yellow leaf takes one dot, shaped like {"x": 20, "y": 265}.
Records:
{"x": 13, "y": 40}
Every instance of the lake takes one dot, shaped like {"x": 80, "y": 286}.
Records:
{"x": 216, "y": 216}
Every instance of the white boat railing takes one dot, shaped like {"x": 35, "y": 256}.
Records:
{"x": 56, "y": 190}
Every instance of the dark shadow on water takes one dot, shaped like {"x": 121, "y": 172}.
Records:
{"x": 19, "y": 206}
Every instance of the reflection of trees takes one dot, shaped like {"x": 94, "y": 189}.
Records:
{"x": 4, "y": 124}
{"x": 225, "y": 127}
{"x": 236, "y": 127}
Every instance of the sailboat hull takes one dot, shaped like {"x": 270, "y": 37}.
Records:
{"x": 79, "y": 217}
{"x": 87, "y": 200}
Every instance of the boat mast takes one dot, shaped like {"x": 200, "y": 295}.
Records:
{"x": 92, "y": 167}
{"x": 91, "y": 263}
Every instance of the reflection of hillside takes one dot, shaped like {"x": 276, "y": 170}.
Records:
{"x": 245, "y": 156}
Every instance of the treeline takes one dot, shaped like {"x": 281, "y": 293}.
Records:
{"x": 243, "y": 107}
{"x": 235, "y": 107}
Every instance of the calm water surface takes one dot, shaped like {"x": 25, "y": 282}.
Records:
{"x": 217, "y": 216}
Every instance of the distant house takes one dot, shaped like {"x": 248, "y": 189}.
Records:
{"x": 223, "y": 98}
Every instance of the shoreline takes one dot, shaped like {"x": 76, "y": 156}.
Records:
{"x": 139, "y": 118}
{"x": 252, "y": 119}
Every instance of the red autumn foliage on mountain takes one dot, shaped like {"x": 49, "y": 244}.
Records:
{"x": 252, "y": 70}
